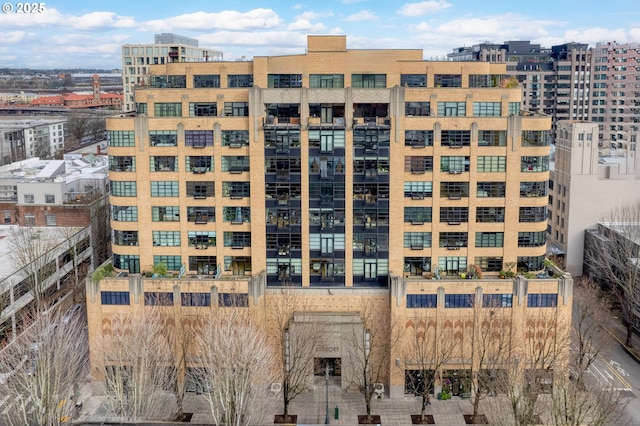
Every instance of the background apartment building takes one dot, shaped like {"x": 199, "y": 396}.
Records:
{"x": 587, "y": 182}
{"x": 33, "y": 137}
{"x": 555, "y": 81}
{"x": 168, "y": 48}
{"x": 355, "y": 177}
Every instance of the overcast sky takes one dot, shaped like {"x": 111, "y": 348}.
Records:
{"x": 89, "y": 34}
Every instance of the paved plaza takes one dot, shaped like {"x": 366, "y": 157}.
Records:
{"x": 310, "y": 407}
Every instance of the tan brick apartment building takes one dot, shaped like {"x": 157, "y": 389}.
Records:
{"x": 350, "y": 175}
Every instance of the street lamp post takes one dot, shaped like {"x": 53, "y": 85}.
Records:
{"x": 326, "y": 379}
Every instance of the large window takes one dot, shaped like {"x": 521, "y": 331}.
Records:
{"x": 533, "y": 189}
{"x": 417, "y": 109}
{"x": 422, "y": 300}
{"x": 168, "y": 109}
{"x": 532, "y": 239}
{"x": 166, "y": 238}
{"x": 492, "y": 163}
{"x": 239, "y": 80}
{"x": 202, "y": 239}
{"x": 543, "y": 300}
{"x": 123, "y": 188}
{"x": 454, "y": 215}
{"x": 418, "y": 138}
{"x": 129, "y": 262}
{"x": 459, "y": 300}
{"x": 279, "y": 81}
{"x": 115, "y": 298}
{"x": 326, "y": 81}
{"x": 236, "y": 190}
{"x": 199, "y": 163}
{"x": 206, "y": 80}
{"x": 164, "y": 189}
{"x": 163, "y": 163}
{"x": 163, "y": 138}
{"x": 195, "y": 299}
{"x": 535, "y": 138}
{"x": 497, "y": 300}
{"x": 485, "y": 80}
{"x": 201, "y": 215}
{"x": 200, "y": 189}
{"x": 124, "y": 213}
{"x": 174, "y": 263}
{"x": 492, "y": 138}
{"x": 489, "y": 239}
{"x": 165, "y": 214}
{"x": 413, "y": 80}
{"x": 452, "y": 109}
{"x": 455, "y": 138}
{"x": 236, "y": 109}
{"x": 486, "y": 109}
{"x": 198, "y": 138}
{"x": 237, "y": 239}
{"x": 417, "y": 240}
{"x": 199, "y": 109}
{"x": 530, "y": 263}
{"x": 533, "y": 214}
{"x": 168, "y": 81}
{"x": 236, "y": 214}
{"x": 534, "y": 164}
{"x": 447, "y": 80}
{"x": 454, "y": 190}
{"x": 491, "y": 189}
{"x": 285, "y": 139}
{"x": 454, "y": 164}
{"x": 235, "y": 138}
{"x": 235, "y": 163}
{"x": 418, "y": 190}
{"x": 125, "y": 238}
{"x": 417, "y": 215}
{"x": 122, "y": 163}
{"x": 453, "y": 240}
{"x": 418, "y": 164}
{"x": 490, "y": 214}
{"x": 206, "y": 265}
{"x": 121, "y": 138}
{"x": 489, "y": 263}
{"x": 368, "y": 80}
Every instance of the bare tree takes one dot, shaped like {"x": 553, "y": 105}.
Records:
{"x": 575, "y": 400}
{"x": 139, "y": 366}
{"x": 589, "y": 329}
{"x": 296, "y": 353}
{"x": 491, "y": 344}
{"x": 78, "y": 126}
{"x": 430, "y": 349}
{"x": 233, "y": 361}
{"x": 611, "y": 257}
{"x": 536, "y": 364}
{"x": 34, "y": 253}
{"x": 43, "y": 367}
{"x": 369, "y": 347}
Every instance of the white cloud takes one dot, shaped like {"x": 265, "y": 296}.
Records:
{"x": 52, "y": 18}
{"x": 15, "y": 37}
{"x": 305, "y": 25}
{"x": 310, "y": 15}
{"x": 364, "y": 15}
{"x": 225, "y": 20}
{"x": 423, "y": 8}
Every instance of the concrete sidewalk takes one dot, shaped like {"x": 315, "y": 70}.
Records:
{"x": 310, "y": 407}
